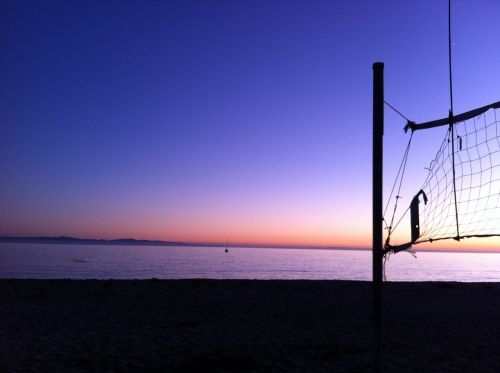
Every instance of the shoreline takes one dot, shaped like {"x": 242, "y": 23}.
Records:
{"x": 245, "y": 325}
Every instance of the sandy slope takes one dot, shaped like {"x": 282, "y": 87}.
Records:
{"x": 212, "y": 326}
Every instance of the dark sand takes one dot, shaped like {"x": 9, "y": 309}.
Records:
{"x": 225, "y": 326}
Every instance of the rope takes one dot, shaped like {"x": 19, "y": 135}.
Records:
{"x": 397, "y": 111}
{"x": 401, "y": 218}
{"x": 451, "y": 120}
{"x": 402, "y": 168}
{"x": 449, "y": 58}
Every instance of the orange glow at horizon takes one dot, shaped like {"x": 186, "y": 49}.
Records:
{"x": 310, "y": 225}
{"x": 271, "y": 230}
{"x": 295, "y": 230}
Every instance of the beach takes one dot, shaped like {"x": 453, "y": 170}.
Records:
{"x": 245, "y": 325}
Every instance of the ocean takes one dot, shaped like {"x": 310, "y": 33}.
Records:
{"x": 59, "y": 261}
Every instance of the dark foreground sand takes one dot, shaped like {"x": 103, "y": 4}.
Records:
{"x": 225, "y": 326}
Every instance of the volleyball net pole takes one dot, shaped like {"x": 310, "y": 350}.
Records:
{"x": 377, "y": 200}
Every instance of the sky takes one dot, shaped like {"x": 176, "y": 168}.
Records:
{"x": 214, "y": 121}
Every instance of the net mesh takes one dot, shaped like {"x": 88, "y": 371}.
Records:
{"x": 477, "y": 183}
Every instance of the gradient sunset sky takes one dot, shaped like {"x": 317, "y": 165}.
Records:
{"x": 207, "y": 121}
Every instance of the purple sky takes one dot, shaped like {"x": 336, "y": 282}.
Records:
{"x": 211, "y": 120}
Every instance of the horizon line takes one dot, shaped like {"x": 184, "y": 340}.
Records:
{"x": 137, "y": 241}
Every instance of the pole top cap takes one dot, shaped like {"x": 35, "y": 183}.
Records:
{"x": 378, "y": 65}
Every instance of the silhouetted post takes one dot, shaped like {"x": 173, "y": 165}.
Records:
{"x": 378, "y": 133}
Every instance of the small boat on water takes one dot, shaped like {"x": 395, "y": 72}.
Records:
{"x": 227, "y": 248}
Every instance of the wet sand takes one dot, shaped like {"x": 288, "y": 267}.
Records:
{"x": 247, "y": 326}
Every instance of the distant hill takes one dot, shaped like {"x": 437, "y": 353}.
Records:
{"x": 90, "y": 241}
{"x": 133, "y": 241}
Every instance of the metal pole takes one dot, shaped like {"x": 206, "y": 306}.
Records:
{"x": 378, "y": 133}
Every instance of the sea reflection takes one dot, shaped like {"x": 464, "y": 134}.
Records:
{"x": 141, "y": 262}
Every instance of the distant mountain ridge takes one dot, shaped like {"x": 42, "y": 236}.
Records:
{"x": 133, "y": 241}
{"x": 90, "y": 241}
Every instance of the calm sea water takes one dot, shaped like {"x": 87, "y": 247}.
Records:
{"x": 43, "y": 261}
